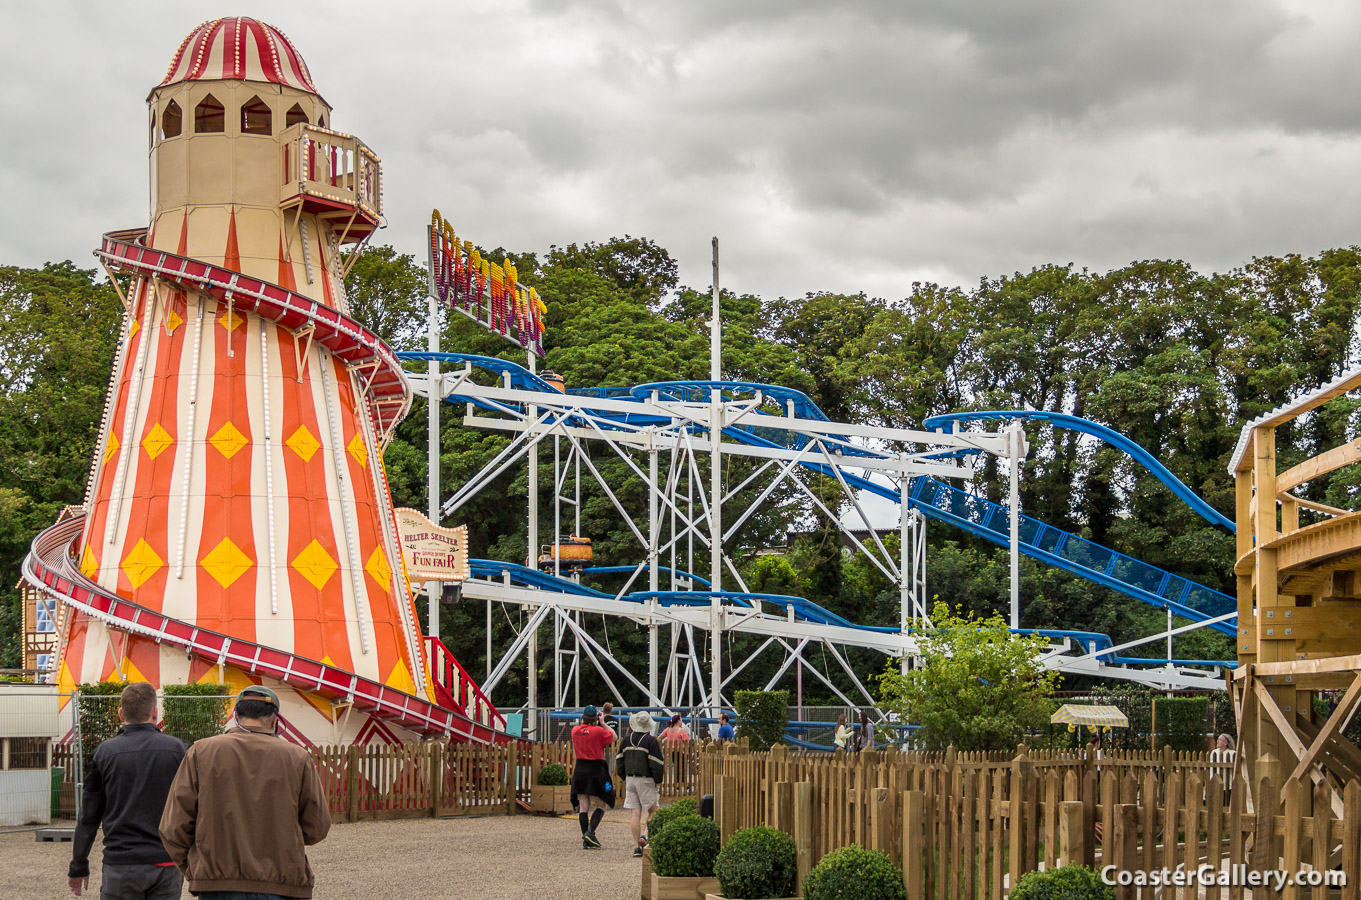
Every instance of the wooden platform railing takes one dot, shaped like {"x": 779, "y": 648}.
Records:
{"x": 966, "y": 827}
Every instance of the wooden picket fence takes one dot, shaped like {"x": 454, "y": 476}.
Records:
{"x": 967, "y": 826}
{"x": 432, "y": 779}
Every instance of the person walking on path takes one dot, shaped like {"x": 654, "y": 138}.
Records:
{"x": 243, "y": 807}
{"x": 842, "y": 737}
{"x": 640, "y": 763}
{"x": 125, "y": 789}
{"x": 591, "y": 784}
{"x": 725, "y": 732}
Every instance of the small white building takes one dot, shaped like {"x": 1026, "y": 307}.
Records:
{"x": 29, "y": 724}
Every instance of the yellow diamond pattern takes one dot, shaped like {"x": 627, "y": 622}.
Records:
{"x": 378, "y": 567}
{"x": 228, "y": 440}
{"x": 230, "y": 320}
{"x": 226, "y": 563}
{"x": 358, "y": 451}
{"x": 111, "y": 448}
{"x": 136, "y": 326}
{"x": 89, "y": 566}
{"x": 172, "y": 321}
{"x": 400, "y": 679}
{"x": 303, "y": 444}
{"x": 156, "y": 441}
{"x": 315, "y": 564}
{"x": 141, "y": 564}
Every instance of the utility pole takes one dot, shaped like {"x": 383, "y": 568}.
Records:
{"x": 531, "y": 556}
{"x": 1015, "y": 445}
{"x": 716, "y": 502}
{"x": 436, "y": 397}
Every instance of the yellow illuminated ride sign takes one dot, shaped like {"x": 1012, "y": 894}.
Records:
{"x": 483, "y": 291}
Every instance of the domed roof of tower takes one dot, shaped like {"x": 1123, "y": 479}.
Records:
{"x": 239, "y": 47}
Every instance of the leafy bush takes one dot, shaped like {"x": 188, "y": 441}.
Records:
{"x": 1072, "y": 882}
{"x": 762, "y": 716}
{"x": 757, "y": 863}
{"x": 195, "y": 711}
{"x": 854, "y": 872}
{"x": 685, "y": 848}
{"x": 1181, "y": 722}
{"x": 685, "y": 806}
{"x": 553, "y": 774}
{"x": 979, "y": 686}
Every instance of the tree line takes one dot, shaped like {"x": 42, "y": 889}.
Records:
{"x": 1175, "y": 359}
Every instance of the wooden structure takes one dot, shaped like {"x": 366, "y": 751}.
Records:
{"x": 965, "y": 826}
{"x": 1299, "y": 609}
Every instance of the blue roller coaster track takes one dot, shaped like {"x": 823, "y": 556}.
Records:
{"x": 936, "y": 500}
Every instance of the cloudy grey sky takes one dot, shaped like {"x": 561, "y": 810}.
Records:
{"x": 844, "y": 146}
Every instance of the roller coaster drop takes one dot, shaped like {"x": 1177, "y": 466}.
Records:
{"x": 661, "y": 432}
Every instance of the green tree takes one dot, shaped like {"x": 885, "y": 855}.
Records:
{"x": 58, "y": 328}
{"x": 979, "y": 686}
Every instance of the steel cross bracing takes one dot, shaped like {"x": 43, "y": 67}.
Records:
{"x": 661, "y": 434}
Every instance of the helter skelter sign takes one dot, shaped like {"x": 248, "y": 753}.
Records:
{"x": 483, "y": 291}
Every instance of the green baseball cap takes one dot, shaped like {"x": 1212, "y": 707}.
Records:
{"x": 588, "y": 712}
{"x": 259, "y": 692}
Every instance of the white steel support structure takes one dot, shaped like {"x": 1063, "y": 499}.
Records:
{"x": 658, "y": 436}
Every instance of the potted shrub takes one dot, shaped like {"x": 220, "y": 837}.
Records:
{"x": 1071, "y": 882}
{"x": 553, "y": 793}
{"x": 854, "y": 872}
{"x": 685, "y": 806}
{"x": 683, "y": 855}
{"x": 757, "y": 864}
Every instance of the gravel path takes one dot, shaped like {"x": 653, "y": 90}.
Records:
{"x": 483, "y": 858}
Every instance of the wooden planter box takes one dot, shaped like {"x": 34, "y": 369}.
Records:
{"x": 721, "y": 897}
{"x": 646, "y": 893}
{"x": 682, "y": 888}
{"x": 554, "y": 798}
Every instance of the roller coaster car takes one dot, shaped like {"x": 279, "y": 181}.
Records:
{"x": 574, "y": 553}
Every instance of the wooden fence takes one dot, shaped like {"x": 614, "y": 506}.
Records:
{"x": 967, "y": 826}
{"x": 432, "y": 779}
{"x": 415, "y": 780}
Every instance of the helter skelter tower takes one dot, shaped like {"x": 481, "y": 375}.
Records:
{"x": 238, "y": 523}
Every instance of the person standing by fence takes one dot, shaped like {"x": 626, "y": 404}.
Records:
{"x": 675, "y": 732}
{"x": 864, "y": 735}
{"x": 125, "y": 790}
{"x": 243, "y": 807}
{"x": 591, "y": 784}
{"x": 642, "y": 767}
{"x": 843, "y": 734}
{"x": 725, "y": 730}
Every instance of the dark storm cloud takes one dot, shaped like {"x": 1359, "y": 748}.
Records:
{"x": 847, "y": 146}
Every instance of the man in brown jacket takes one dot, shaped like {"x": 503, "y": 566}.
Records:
{"x": 243, "y": 806}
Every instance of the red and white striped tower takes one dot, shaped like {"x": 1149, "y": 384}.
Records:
{"x": 238, "y": 522}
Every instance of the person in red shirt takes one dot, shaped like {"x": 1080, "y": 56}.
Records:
{"x": 591, "y": 784}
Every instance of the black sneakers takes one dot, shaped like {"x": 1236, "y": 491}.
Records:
{"x": 589, "y": 841}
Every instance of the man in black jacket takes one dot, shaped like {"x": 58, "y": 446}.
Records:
{"x": 641, "y": 764}
{"x": 125, "y": 791}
